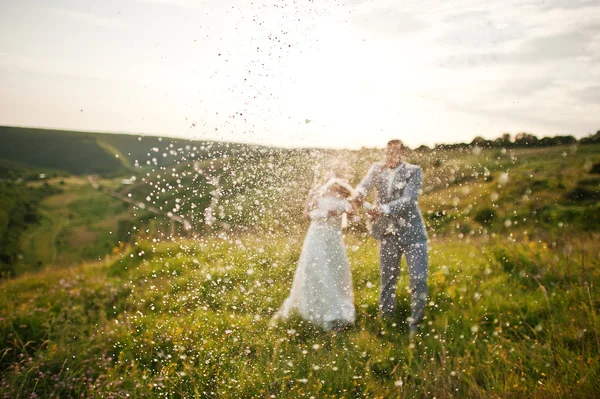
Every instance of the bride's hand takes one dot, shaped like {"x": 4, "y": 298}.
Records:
{"x": 358, "y": 200}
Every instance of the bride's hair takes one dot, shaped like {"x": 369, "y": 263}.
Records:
{"x": 338, "y": 186}
{"x": 333, "y": 185}
{"x": 342, "y": 190}
{"x": 325, "y": 174}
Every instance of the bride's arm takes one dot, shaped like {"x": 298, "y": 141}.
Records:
{"x": 311, "y": 209}
{"x": 311, "y": 203}
{"x": 341, "y": 206}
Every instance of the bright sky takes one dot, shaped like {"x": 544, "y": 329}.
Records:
{"x": 329, "y": 73}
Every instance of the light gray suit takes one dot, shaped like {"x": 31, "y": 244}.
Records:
{"x": 401, "y": 230}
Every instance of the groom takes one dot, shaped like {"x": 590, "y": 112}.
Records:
{"x": 397, "y": 223}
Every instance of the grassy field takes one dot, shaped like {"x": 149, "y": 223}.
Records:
{"x": 514, "y": 301}
{"x": 77, "y": 224}
{"x": 192, "y": 320}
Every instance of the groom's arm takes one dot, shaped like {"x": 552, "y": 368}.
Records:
{"x": 410, "y": 195}
{"x": 368, "y": 181}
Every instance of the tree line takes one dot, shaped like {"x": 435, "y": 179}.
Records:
{"x": 520, "y": 140}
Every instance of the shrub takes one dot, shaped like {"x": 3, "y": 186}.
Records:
{"x": 485, "y": 216}
{"x": 581, "y": 193}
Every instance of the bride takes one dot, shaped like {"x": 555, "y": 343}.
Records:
{"x": 322, "y": 288}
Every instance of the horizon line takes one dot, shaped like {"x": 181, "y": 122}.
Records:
{"x": 158, "y": 135}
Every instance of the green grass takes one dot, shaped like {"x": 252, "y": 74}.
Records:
{"x": 20, "y": 209}
{"x": 116, "y": 153}
{"x": 77, "y": 224}
{"x": 39, "y": 244}
{"x": 192, "y": 319}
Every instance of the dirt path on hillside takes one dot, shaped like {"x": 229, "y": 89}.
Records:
{"x": 140, "y": 204}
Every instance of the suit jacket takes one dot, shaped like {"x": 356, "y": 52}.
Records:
{"x": 399, "y": 196}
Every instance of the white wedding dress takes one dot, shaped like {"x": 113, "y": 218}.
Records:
{"x": 322, "y": 288}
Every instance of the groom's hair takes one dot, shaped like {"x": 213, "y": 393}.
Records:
{"x": 395, "y": 143}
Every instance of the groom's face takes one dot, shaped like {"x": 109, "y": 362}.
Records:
{"x": 393, "y": 155}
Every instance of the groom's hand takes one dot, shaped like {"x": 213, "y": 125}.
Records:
{"x": 375, "y": 212}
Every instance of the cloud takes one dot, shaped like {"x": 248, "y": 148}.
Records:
{"x": 65, "y": 68}
{"x": 564, "y": 46}
{"x": 461, "y": 16}
{"x": 89, "y": 18}
{"x": 519, "y": 34}
{"x": 565, "y": 4}
{"x": 388, "y": 22}
{"x": 590, "y": 94}
{"x": 193, "y": 4}
{"x": 175, "y": 3}
{"x": 524, "y": 87}
{"x": 166, "y": 2}
{"x": 543, "y": 104}
{"x": 479, "y": 29}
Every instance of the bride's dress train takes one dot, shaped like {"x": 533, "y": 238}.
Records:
{"x": 322, "y": 288}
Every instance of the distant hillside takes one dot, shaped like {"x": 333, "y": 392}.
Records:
{"x": 74, "y": 152}
{"x": 102, "y": 153}
{"x": 146, "y": 150}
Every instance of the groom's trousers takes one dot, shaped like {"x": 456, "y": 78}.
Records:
{"x": 390, "y": 255}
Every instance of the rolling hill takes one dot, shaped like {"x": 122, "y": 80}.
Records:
{"x": 101, "y": 153}
{"x": 74, "y": 152}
